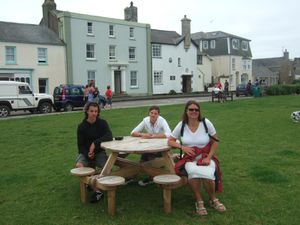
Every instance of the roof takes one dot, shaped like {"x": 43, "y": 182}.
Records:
{"x": 214, "y": 35}
{"x": 27, "y": 33}
{"x": 165, "y": 37}
{"x": 259, "y": 70}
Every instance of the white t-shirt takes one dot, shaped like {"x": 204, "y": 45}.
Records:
{"x": 160, "y": 127}
{"x": 199, "y": 138}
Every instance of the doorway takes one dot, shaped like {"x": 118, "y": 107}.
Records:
{"x": 118, "y": 85}
{"x": 186, "y": 83}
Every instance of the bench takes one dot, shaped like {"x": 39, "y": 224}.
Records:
{"x": 223, "y": 96}
{"x": 167, "y": 182}
{"x": 83, "y": 173}
{"x": 110, "y": 184}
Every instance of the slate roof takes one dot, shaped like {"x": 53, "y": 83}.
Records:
{"x": 165, "y": 37}
{"x": 273, "y": 64}
{"x": 27, "y": 33}
{"x": 259, "y": 70}
{"x": 214, "y": 35}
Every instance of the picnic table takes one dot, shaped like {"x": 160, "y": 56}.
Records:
{"x": 221, "y": 95}
{"x": 137, "y": 145}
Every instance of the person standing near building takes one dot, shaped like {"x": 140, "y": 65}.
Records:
{"x": 108, "y": 95}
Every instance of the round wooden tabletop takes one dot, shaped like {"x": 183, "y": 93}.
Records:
{"x": 137, "y": 145}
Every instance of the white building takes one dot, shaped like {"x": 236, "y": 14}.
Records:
{"x": 174, "y": 61}
{"x": 107, "y": 51}
{"x": 32, "y": 54}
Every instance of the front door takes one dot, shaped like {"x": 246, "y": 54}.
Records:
{"x": 117, "y": 77}
{"x": 186, "y": 83}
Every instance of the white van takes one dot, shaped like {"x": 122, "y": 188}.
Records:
{"x": 18, "y": 96}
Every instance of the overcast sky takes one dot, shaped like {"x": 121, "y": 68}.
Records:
{"x": 271, "y": 25}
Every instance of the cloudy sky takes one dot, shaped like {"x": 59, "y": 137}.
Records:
{"x": 271, "y": 25}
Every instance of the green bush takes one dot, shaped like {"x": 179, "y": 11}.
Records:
{"x": 283, "y": 89}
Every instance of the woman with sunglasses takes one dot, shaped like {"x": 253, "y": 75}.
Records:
{"x": 198, "y": 142}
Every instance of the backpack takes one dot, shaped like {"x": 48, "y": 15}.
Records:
{"x": 206, "y": 130}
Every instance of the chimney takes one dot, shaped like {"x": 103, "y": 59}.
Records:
{"x": 131, "y": 13}
{"x": 286, "y": 55}
{"x": 47, "y": 7}
{"x": 186, "y": 31}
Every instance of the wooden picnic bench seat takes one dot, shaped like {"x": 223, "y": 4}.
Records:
{"x": 167, "y": 182}
{"x": 110, "y": 184}
{"x": 83, "y": 173}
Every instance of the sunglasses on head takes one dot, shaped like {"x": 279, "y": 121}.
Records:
{"x": 193, "y": 110}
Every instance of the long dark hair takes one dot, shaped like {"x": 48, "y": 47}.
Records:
{"x": 89, "y": 104}
{"x": 185, "y": 118}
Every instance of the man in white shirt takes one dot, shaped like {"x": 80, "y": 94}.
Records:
{"x": 152, "y": 126}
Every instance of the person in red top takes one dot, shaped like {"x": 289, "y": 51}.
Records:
{"x": 108, "y": 95}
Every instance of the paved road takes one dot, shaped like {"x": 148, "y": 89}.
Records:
{"x": 125, "y": 104}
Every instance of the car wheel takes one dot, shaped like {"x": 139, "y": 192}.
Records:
{"x": 45, "y": 107}
{"x": 4, "y": 111}
{"x": 68, "y": 107}
{"x": 237, "y": 94}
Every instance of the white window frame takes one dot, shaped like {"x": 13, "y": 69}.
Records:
{"x": 131, "y": 32}
{"x": 10, "y": 55}
{"x": 89, "y": 28}
{"x": 205, "y": 45}
{"x": 156, "y": 50}
{"x": 91, "y": 76}
{"x": 90, "y": 51}
{"x": 179, "y": 62}
{"x": 112, "y": 52}
{"x": 212, "y": 44}
{"x": 45, "y": 86}
{"x": 233, "y": 63}
{"x": 158, "y": 77}
{"x": 132, "y": 53}
{"x": 42, "y": 56}
{"x": 133, "y": 79}
{"x": 235, "y": 43}
{"x": 245, "y": 45}
{"x": 111, "y": 31}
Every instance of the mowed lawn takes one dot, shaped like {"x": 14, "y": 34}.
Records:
{"x": 259, "y": 153}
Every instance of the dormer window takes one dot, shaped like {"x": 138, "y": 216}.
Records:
{"x": 245, "y": 45}
{"x": 213, "y": 44}
{"x": 235, "y": 43}
{"x": 205, "y": 44}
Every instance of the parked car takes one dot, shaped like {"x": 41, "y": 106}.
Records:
{"x": 67, "y": 97}
{"x": 16, "y": 96}
{"x": 241, "y": 89}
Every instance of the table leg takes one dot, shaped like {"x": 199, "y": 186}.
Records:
{"x": 109, "y": 164}
{"x": 169, "y": 161}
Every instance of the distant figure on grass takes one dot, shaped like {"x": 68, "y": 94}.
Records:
{"x": 108, "y": 95}
{"x": 198, "y": 141}
{"x": 152, "y": 126}
{"x": 91, "y": 132}
{"x": 226, "y": 87}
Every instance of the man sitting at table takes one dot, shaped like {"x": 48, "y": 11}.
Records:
{"x": 91, "y": 132}
{"x": 154, "y": 126}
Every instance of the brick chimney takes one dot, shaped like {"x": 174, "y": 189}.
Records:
{"x": 286, "y": 55}
{"x": 130, "y": 13}
{"x": 47, "y": 7}
{"x": 186, "y": 31}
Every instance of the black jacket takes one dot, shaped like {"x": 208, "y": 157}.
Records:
{"x": 88, "y": 133}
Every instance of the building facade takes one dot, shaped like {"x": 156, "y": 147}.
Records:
{"x": 104, "y": 50}
{"x": 174, "y": 61}
{"x": 231, "y": 56}
{"x": 32, "y": 54}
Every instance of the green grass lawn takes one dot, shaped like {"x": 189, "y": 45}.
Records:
{"x": 259, "y": 153}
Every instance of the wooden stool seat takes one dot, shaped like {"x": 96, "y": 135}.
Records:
{"x": 109, "y": 184}
{"x": 167, "y": 182}
{"x": 111, "y": 181}
{"x": 166, "y": 179}
{"x": 82, "y": 171}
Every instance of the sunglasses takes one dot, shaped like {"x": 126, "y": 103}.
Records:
{"x": 193, "y": 110}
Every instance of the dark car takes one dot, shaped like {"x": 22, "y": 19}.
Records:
{"x": 68, "y": 96}
{"x": 241, "y": 89}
